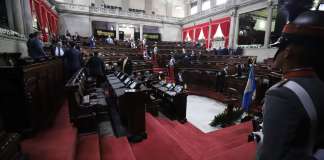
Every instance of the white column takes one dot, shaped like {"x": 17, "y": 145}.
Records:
{"x": 209, "y": 35}
{"x": 10, "y": 14}
{"x": 141, "y": 32}
{"x": 212, "y": 3}
{"x": 117, "y": 31}
{"x": 199, "y": 6}
{"x": 237, "y": 30}
{"x": 168, "y": 9}
{"x": 125, "y": 5}
{"x": 187, "y": 9}
{"x": 16, "y": 7}
{"x": 148, "y": 6}
{"x": 232, "y": 28}
{"x": 268, "y": 27}
{"x": 28, "y": 18}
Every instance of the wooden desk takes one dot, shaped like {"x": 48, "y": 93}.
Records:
{"x": 130, "y": 105}
{"x": 176, "y": 102}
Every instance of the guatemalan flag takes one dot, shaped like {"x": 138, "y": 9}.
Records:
{"x": 249, "y": 92}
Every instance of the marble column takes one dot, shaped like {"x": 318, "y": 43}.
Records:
{"x": 10, "y": 14}
{"x": 28, "y": 18}
{"x": 268, "y": 27}
{"x": 148, "y": 6}
{"x": 117, "y": 31}
{"x": 186, "y": 9}
{"x": 199, "y": 6}
{"x": 232, "y": 28}
{"x": 125, "y": 5}
{"x": 141, "y": 32}
{"x": 209, "y": 35}
{"x": 212, "y": 3}
{"x": 236, "y": 31}
{"x": 168, "y": 9}
{"x": 19, "y": 25}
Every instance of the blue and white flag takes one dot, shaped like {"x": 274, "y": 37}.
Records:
{"x": 250, "y": 90}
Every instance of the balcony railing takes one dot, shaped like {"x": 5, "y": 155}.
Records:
{"x": 116, "y": 13}
{"x": 230, "y": 4}
{"x": 93, "y": 10}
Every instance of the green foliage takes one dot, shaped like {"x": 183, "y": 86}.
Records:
{"x": 226, "y": 118}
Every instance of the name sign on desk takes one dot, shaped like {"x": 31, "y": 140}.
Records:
{"x": 130, "y": 90}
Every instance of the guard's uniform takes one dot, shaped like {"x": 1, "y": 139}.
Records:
{"x": 286, "y": 124}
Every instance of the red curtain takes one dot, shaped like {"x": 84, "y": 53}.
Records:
{"x": 212, "y": 32}
{"x": 205, "y": 31}
{"x": 197, "y": 34}
{"x": 38, "y": 15}
{"x": 191, "y": 34}
{"x": 184, "y": 35}
{"x": 225, "y": 29}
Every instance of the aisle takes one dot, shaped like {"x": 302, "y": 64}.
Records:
{"x": 202, "y": 110}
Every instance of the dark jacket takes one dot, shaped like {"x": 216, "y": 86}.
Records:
{"x": 96, "y": 66}
{"x": 128, "y": 67}
{"x": 35, "y": 49}
{"x": 286, "y": 124}
{"x": 72, "y": 60}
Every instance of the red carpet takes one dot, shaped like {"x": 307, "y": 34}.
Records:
{"x": 167, "y": 140}
{"x": 243, "y": 152}
{"x": 56, "y": 143}
{"x": 158, "y": 145}
{"x": 88, "y": 147}
{"x": 115, "y": 148}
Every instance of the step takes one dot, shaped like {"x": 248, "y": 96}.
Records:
{"x": 187, "y": 141}
{"x": 88, "y": 147}
{"x": 243, "y": 152}
{"x": 56, "y": 143}
{"x": 158, "y": 145}
{"x": 112, "y": 148}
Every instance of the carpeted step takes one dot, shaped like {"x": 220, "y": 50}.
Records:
{"x": 158, "y": 145}
{"x": 112, "y": 148}
{"x": 88, "y": 147}
{"x": 243, "y": 152}
{"x": 186, "y": 140}
{"x": 56, "y": 143}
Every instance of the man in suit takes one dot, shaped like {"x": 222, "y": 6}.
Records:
{"x": 96, "y": 67}
{"x": 73, "y": 60}
{"x": 35, "y": 49}
{"x": 290, "y": 131}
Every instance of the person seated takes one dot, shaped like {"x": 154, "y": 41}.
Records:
{"x": 109, "y": 40}
{"x": 96, "y": 68}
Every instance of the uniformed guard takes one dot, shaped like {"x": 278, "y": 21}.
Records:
{"x": 293, "y": 121}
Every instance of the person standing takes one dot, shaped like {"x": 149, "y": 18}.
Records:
{"x": 96, "y": 68}
{"x": 294, "y": 108}
{"x": 127, "y": 66}
{"x": 155, "y": 51}
{"x": 58, "y": 50}
{"x": 36, "y": 47}
{"x": 73, "y": 60}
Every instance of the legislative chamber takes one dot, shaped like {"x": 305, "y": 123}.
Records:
{"x": 161, "y": 79}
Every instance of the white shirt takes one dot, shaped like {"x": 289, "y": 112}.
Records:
{"x": 124, "y": 63}
{"x": 155, "y": 50}
{"x": 172, "y": 62}
{"x": 59, "y": 51}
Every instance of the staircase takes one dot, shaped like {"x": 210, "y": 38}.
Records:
{"x": 167, "y": 139}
